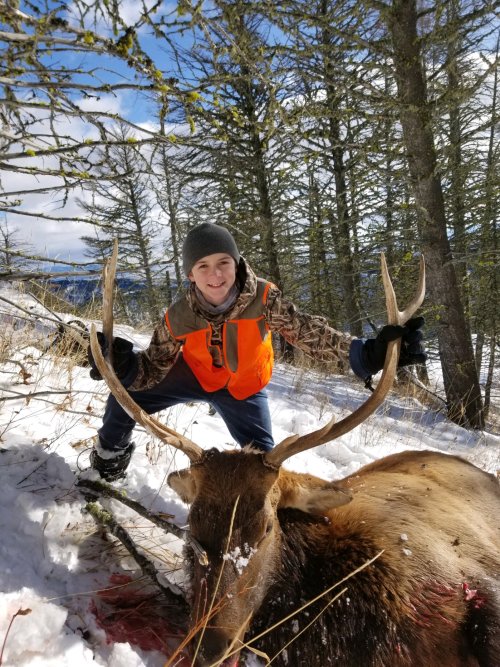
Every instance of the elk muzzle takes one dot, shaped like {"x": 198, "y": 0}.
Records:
{"x": 216, "y": 646}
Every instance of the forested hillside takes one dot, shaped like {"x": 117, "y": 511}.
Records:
{"x": 321, "y": 133}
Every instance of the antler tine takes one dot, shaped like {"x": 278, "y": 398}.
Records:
{"x": 395, "y": 316}
{"x": 295, "y": 444}
{"x": 108, "y": 280}
{"x": 152, "y": 425}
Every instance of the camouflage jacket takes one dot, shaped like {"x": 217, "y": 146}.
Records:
{"x": 309, "y": 333}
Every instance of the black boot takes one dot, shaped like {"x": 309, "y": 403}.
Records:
{"x": 110, "y": 465}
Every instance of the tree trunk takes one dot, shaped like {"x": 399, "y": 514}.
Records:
{"x": 478, "y": 354}
{"x": 341, "y": 227}
{"x": 489, "y": 376}
{"x": 455, "y": 345}
{"x": 173, "y": 223}
{"x": 171, "y": 204}
{"x": 488, "y": 307}
{"x": 266, "y": 214}
{"x": 314, "y": 265}
{"x": 456, "y": 167}
{"x": 343, "y": 237}
{"x": 142, "y": 244}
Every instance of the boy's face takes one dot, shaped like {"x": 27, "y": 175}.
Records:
{"x": 214, "y": 276}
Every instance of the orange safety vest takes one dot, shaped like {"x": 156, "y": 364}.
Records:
{"x": 247, "y": 349}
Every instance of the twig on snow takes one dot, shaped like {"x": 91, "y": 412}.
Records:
{"x": 105, "y": 518}
{"x": 103, "y": 489}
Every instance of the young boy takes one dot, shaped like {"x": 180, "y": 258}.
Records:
{"x": 214, "y": 345}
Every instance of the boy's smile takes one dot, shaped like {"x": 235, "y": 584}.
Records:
{"x": 214, "y": 275}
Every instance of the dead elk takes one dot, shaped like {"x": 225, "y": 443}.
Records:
{"x": 277, "y": 540}
{"x": 396, "y": 565}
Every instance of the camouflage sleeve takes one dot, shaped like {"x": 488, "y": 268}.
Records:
{"x": 155, "y": 362}
{"x": 309, "y": 333}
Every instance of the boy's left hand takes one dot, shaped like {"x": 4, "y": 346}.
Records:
{"x": 412, "y": 348}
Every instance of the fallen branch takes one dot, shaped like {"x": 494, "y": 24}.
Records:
{"x": 439, "y": 402}
{"x": 105, "y": 518}
{"x": 35, "y": 394}
{"x": 44, "y": 306}
{"x": 103, "y": 489}
{"x": 36, "y": 316}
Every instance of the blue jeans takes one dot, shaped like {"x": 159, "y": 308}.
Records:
{"x": 247, "y": 420}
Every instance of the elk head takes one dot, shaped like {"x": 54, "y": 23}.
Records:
{"x": 235, "y": 497}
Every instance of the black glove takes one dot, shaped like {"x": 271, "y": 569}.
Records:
{"x": 412, "y": 349}
{"x": 123, "y": 357}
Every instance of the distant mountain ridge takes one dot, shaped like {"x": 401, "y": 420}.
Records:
{"x": 80, "y": 291}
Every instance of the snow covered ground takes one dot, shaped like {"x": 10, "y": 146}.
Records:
{"x": 54, "y": 565}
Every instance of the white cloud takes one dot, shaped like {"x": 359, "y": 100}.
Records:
{"x": 51, "y": 238}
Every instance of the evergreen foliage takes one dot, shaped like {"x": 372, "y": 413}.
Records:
{"x": 320, "y": 133}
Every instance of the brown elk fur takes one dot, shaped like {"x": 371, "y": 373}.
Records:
{"x": 430, "y": 599}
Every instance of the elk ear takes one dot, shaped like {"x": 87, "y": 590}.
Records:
{"x": 311, "y": 494}
{"x": 182, "y": 482}
{"x": 318, "y": 501}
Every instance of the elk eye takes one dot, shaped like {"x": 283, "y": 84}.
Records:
{"x": 269, "y": 527}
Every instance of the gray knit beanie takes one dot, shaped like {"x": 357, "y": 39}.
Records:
{"x": 207, "y": 239}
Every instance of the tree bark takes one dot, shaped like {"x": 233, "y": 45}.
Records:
{"x": 489, "y": 376}
{"x": 143, "y": 251}
{"x": 341, "y": 227}
{"x": 457, "y": 173}
{"x": 170, "y": 204}
{"x": 455, "y": 345}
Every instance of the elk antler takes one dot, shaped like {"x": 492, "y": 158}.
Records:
{"x": 152, "y": 425}
{"x": 108, "y": 285}
{"x": 295, "y": 443}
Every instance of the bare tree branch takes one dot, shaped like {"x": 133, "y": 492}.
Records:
{"x": 103, "y": 489}
{"x": 105, "y": 518}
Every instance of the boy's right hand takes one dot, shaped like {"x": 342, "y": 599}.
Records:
{"x": 122, "y": 354}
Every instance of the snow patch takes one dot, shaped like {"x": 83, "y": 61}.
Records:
{"x": 239, "y": 558}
